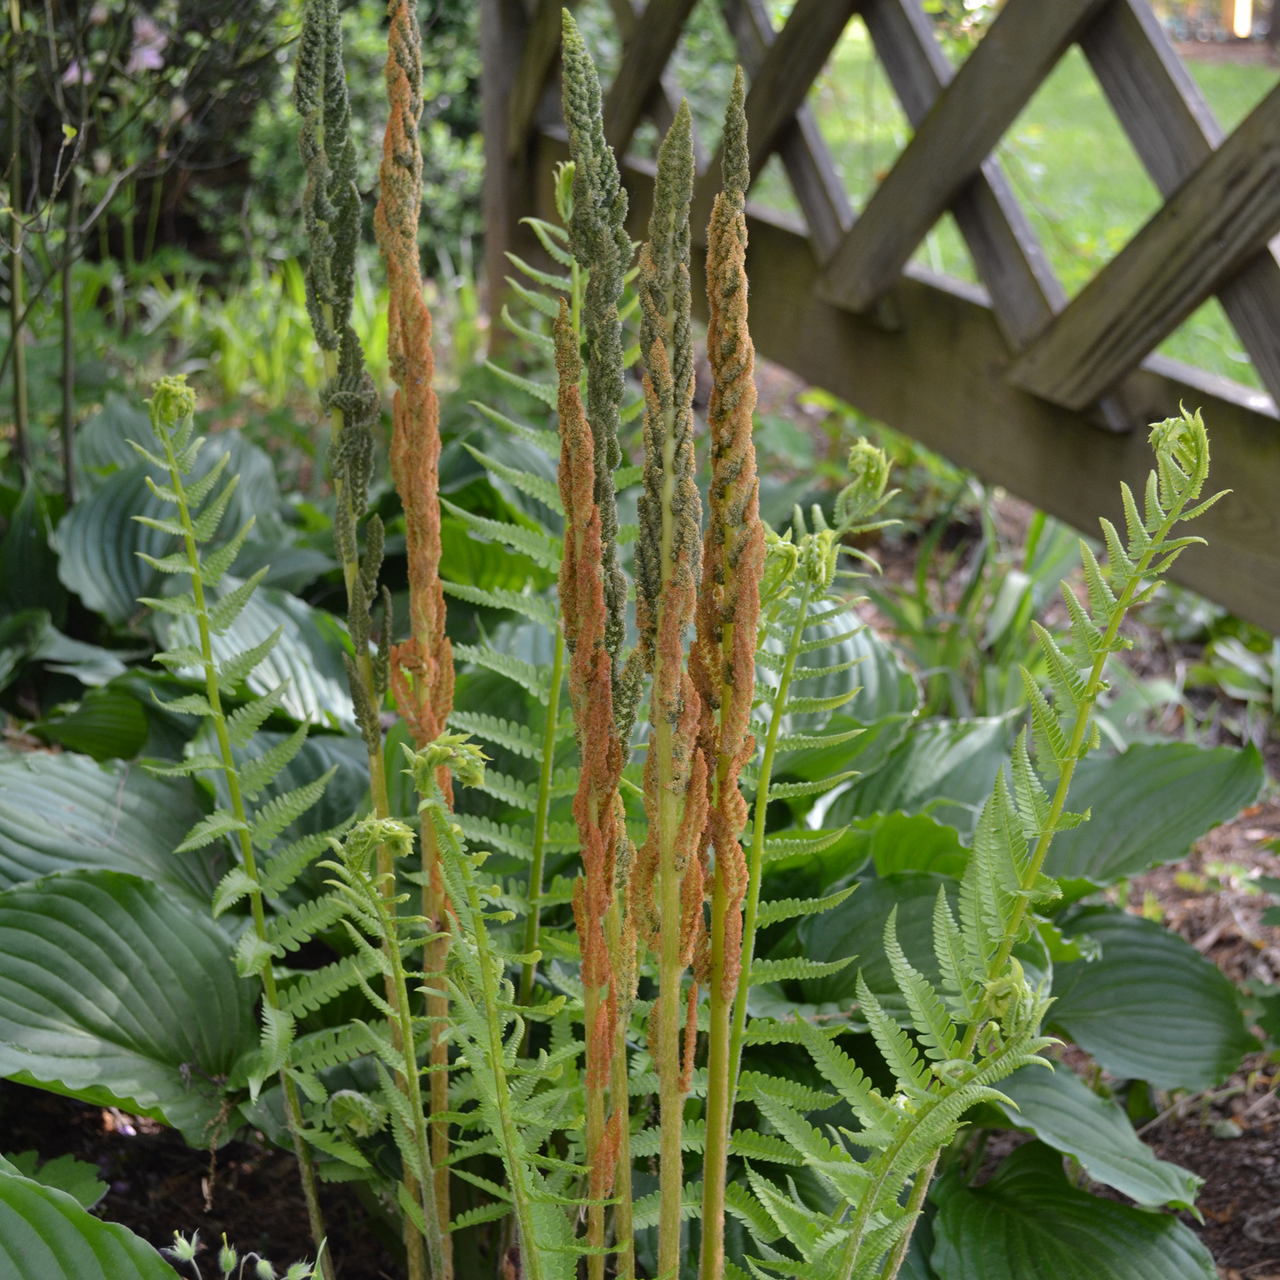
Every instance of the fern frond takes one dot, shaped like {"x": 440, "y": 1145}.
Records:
{"x": 793, "y": 968}
{"x": 535, "y": 486}
{"x": 525, "y": 674}
{"x": 535, "y": 608}
{"x": 272, "y": 818}
{"x": 789, "y": 908}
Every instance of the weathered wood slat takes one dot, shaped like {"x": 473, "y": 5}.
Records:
{"x": 803, "y": 150}
{"x": 941, "y": 379}
{"x": 1006, "y": 250}
{"x": 663, "y": 100}
{"x": 962, "y": 128}
{"x": 1174, "y": 131}
{"x": 644, "y": 59}
{"x": 541, "y": 48}
{"x": 1213, "y": 224}
{"x": 782, "y": 81}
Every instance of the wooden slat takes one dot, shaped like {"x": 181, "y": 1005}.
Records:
{"x": 1005, "y": 248}
{"x": 660, "y": 106}
{"x": 1174, "y": 131}
{"x": 963, "y": 127}
{"x": 804, "y": 153}
{"x": 1214, "y": 223}
{"x": 644, "y": 59}
{"x": 541, "y": 47}
{"x": 941, "y": 379}
{"x": 782, "y": 81}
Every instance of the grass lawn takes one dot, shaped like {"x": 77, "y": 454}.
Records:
{"x": 1067, "y": 157}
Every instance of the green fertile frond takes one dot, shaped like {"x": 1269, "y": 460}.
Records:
{"x": 245, "y": 721}
{"x": 928, "y": 1013}
{"x": 794, "y": 968}
{"x": 893, "y": 1042}
{"x": 540, "y": 547}
{"x": 536, "y": 608}
{"x": 503, "y": 733}
{"x": 529, "y": 676}
{"x": 259, "y": 773}
{"x": 788, "y": 908}
{"x": 289, "y": 932}
{"x": 272, "y": 818}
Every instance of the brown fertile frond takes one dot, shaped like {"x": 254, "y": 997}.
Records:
{"x": 729, "y": 599}
{"x": 423, "y": 667}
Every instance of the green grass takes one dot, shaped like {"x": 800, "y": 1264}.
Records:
{"x": 1069, "y": 161}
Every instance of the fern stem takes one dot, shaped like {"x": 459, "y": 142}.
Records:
{"x": 533, "y": 920}
{"x": 293, "y": 1117}
{"x": 623, "y": 1223}
{"x": 915, "y": 1202}
{"x": 752, "y": 907}
{"x": 1083, "y": 716}
{"x": 491, "y": 979}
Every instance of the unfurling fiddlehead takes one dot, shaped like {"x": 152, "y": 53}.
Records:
{"x": 421, "y": 668}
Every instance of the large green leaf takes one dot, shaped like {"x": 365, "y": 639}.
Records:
{"x": 308, "y": 654}
{"x": 108, "y": 724}
{"x": 898, "y": 842}
{"x": 1150, "y": 1007}
{"x": 99, "y": 540}
{"x": 1029, "y": 1223}
{"x": 113, "y": 992}
{"x": 77, "y": 1178}
{"x": 1149, "y": 804}
{"x": 46, "y": 1235}
{"x": 28, "y": 564}
{"x": 63, "y": 813}
{"x": 102, "y": 442}
{"x": 1059, "y": 1109}
{"x": 856, "y": 928}
{"x": 945, "y": 767}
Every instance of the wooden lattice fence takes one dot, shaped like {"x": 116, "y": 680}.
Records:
{"x": 1040, "y": 394}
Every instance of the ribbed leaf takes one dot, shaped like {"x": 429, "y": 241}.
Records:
{"x": 46, "y": 1235}
{"x": 1059, "y": 1109}
{"x": 1028, "y": 1223}
{"x": 63, "y": 813}
{"x": 114, "y": 993}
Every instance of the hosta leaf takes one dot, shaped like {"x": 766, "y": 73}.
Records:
{"x": 947, "y": 767}
{"x": 79, "y": 1179}
{"x": 856, "y": 928}
{"x": 109, "y": 724}
{"x": 113, "y": 993}
{"x": 1151, "y": 1007}
{"x": 1029, "y": 1223}
{"x": 308, "y": 654}
{"x": 64, "y": 813}
{"x": 45, "y": 1234}
{"x": 1150, "y": 804}
{"x": 28, "y": 561}
{"x": 1063, "y": 1112}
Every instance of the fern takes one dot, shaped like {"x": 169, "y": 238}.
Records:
{"x": 985, "y": 1021}
{"x": 172, "y": 420}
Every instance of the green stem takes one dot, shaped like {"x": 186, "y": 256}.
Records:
{"x": 21, "y": 445}
{"x": 270, "y": 994}
{"x": 915, "y": 1202}
{"x": 623, "y": 1223}
{"x": 754, "y": 867}
{"x": 533, "y": 920}
{"x": 411, "y": 1081}
{"x": 530, "y": 1259}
